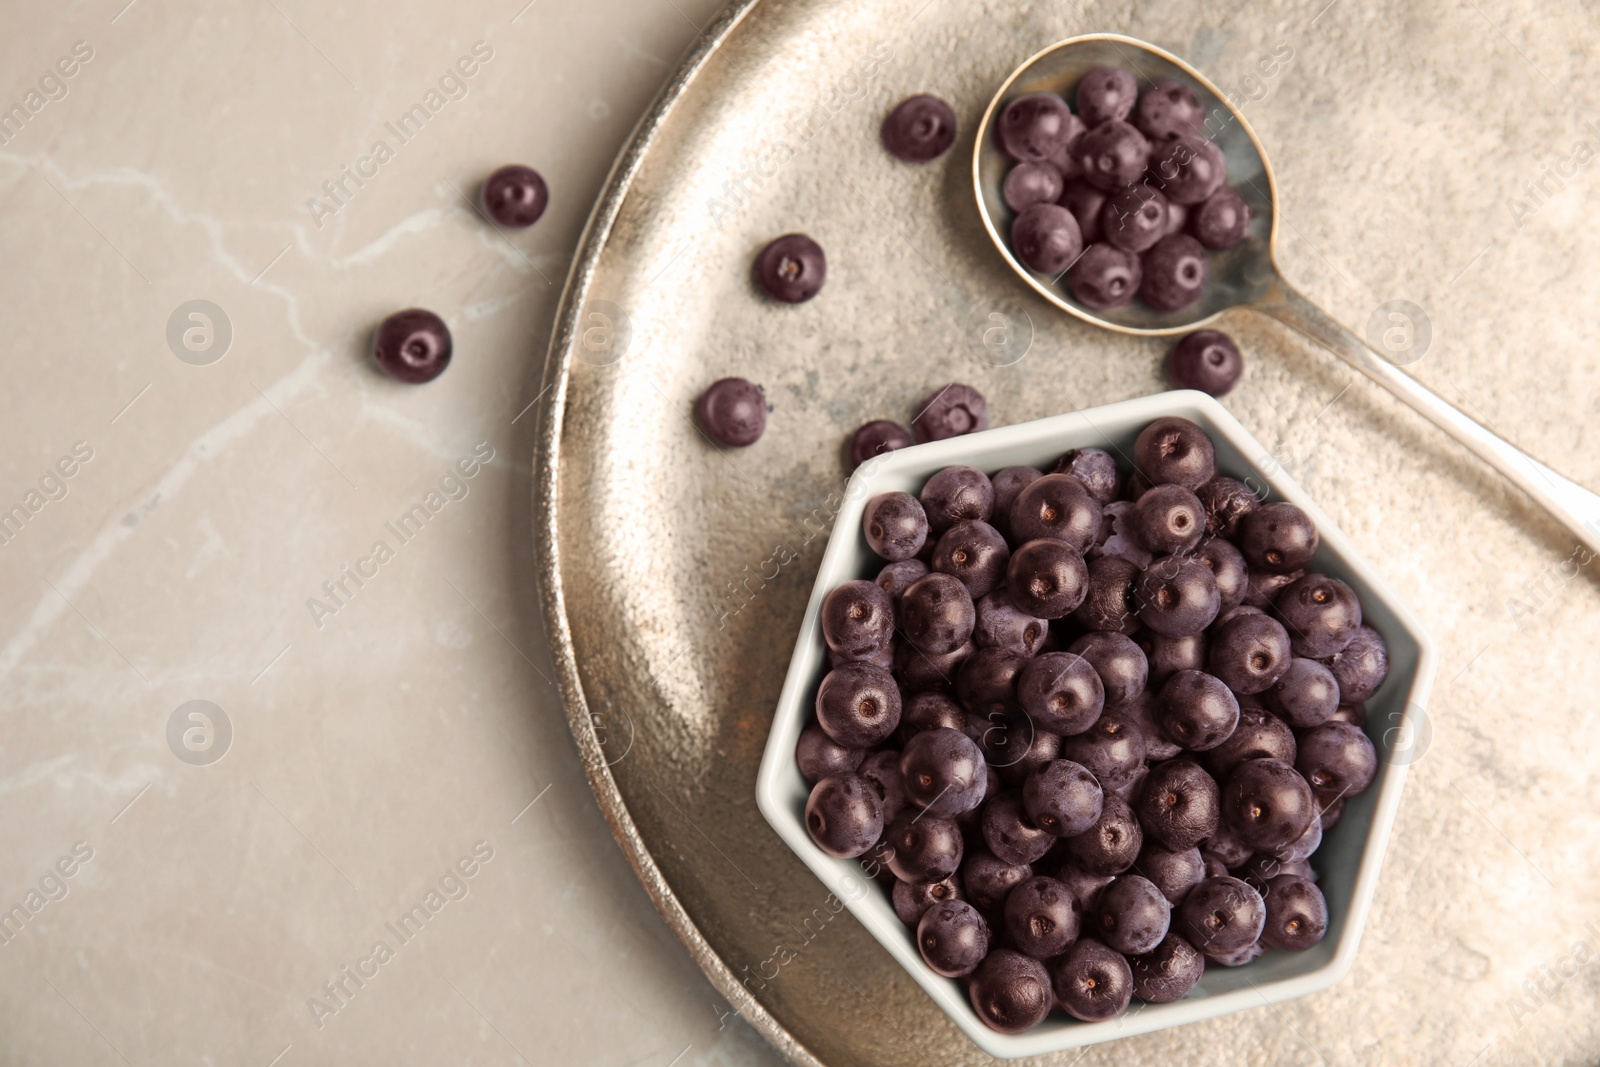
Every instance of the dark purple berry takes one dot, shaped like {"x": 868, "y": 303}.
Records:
{"x": 1259, "y": 735}
{"x": 953, "y": 938}
{"x": 1169, "y": 520}
{"x": 858, "y": 704}
{"x": 1095, "y": 468}
{"x": 1188, "y": 168}
{"x": 1206, "y": 360}
{"x": 1177, "y": 596}
{"x": 792, "y": 268}
{"x": 1175, "y": 451}
{"x": 987, "y": 681}
{"x": 1085, "y": 202}
{"x": 1306, "y": 695}
{"x": 1178, "y": 805}
{"x": 1011, "y": 992}
{"x": 927, "y": 848}
{"x": 1221, "y": 916}
{"x": 1249, "y": 653}
{"x": 1222, "y": 220}
{"x": 857, "y": 620}
{"x": 1037, "y": 127}
{"x": 1169, "y": 110}
{"x": 1263, "y": 586}
{"x": 1061, "y": 693}
{"x": 1062, "y": 798}
{"x": 1111, "y": 605}
{"x": 1028, "y": 184}
{"x": 1135, "y": 218}
{"x": 1092, "y": 982}
{"x": 936, "y": 614}
{"x": 1008, "y": 482}
{"x": 1042, "y": 917}
{"x": 1046, "y": 238}
{"x": 1321, "y": 614}
{"x": 957, "y": 494}
{"x": 1173, "y": 272}
{"x": 1267, "y": 803}
{"x": 1197, "y": 710}
{"x": 896, "y": 525}
{"x": 732, "y": 412}
{"x": 1297, "y": 913}
{"x": 1228, "y": 568}
{"x": 514, "y": 196}
{"x": 1331, "y": 813}
{"x": 1167, "y": 656}
{"x": 986, "y": 879}
{"x": 1106, "y": 93}
{"x": 1337, "y": 759}
{"x": 1172, "y": 872}
{"x": 1226, "y": 847}
{"x": 913, "y": 899}
{"x": 882, "y": 769}
{"x": 875, "y": 439}
{"x": 844, "y": 815}
{"x": 1169, "y": 972}
{"x": 820, "y": 756}
{"x": 929, "y": 711}
{"x": 952, "y": 411}
{"x": 1144, "y": 712}
{"x": 412, "y": 346}
{"x": 1133, "y": 915}
{"x": 976, "y": 554}
{"x": 920, "y": 128}
{"x": 1119, "y": 662}
{"x": 1278, "y": 538}
{"x": 895, "y": 578}
{"x": 1361, "y": 666}
{"x": 1111, "y": 155}
{"x": 1354, "y": 714}
{"x": 918, "y": 671}
{"x": 1114, "y": 842}
{"x": 1001, "y": 624}
{"x": 1046, "y": 578}
{"x": 1008, "y": 831}
{"x": 1057, "y": 506}
{"x": 1226, "y": 500}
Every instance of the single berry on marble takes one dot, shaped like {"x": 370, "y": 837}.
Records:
{"x": 875, "y": 438}
{"x": 733, "y": 412}
{"x": 514, "y": 196}
{"x": 951, "y": 411}
{"x": 412, "y": 346}
{"x": 919, "y": 129}
{"x": 1206, "y": 360}
{"x": 792, "y": 268}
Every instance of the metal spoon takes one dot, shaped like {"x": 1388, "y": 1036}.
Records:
{"x": 1246, "y": 274}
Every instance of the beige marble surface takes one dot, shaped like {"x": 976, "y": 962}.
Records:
{"x": 373, "y": 753}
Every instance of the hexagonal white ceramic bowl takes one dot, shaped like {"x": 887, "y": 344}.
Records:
{"x": 1351, "y": 854}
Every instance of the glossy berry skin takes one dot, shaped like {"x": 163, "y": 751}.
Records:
{"x": 1355, "y": 714}
{"x": 1278, "y": 538}
{"x": 1001, "y": 624}
{"x": 1018, "y": 748}
{"x": 1105, "y": 277}
{"x": 920, "y": 129}
{"x": 1042, "y": 917}
{"x": 1061, "y": 693}
{"x": 1197, "y": 711}
{"x": 1167, "y": 973}
{"x": 951, "y": 411}
{"x": 1188, "y": 169}
{"x": 1095, "y": 468}
{"x": 1133, "y": 915}
{"x": 1297, "y": 913}
{"x": 1086, "y": 203}
{"x": 1361, "y": 666}
{"x": 732, "y": 412}
{"x": 1120, "y": 663}
{"x": 1143, "y": 712}
{"x": 936, "y": 614}
{"x": 1010, "y": 834}
{"x": 857, "y": 620}
{"x": 1267, "y": 804}
{"x": 1062, "y": 798}
{"x": 1135, "y": 218}
{"x": 1175, "y": 451}
{"x": 1249, "y": 653}
{"x": 1106, "y": 93}
{"x": 917, "y": 671}
{"x": 1173, "y": 872}
{"x": 1222, "y": 220}
{"x": 1264, "y": 586}
{"x": 986, "y": 879}
{"x": 1046, "y": 578}
{"x": 514, "y": 196}
{"x": 1221, "y": 916}
{"x": 987, "y": 681}
{"x": 1178, "y": 805}
{"x": 1307, "y": 695}
{"x": 792, "y": 268}
{"x": 1259, "y": 735}
{"x": 844, "y": 815}
{"x": 1028, "y": 184}
{"x": 927, "y": 848}
{"x": 1111, "y": 605}
{"x": 1229, "y": 569}
{"x": 1092, "y": 982}
{"x": 1174, "y": 272}
{"x": 1206, "y": 360}
{"x": 943, "y": 773}
{"x": 1008, "y": 482}
{"x": 1169, "y": 520}
{"x": 412, "y": 346}
{"x": 820, "y": 756}
{"x": 929, "y": 711}
{"x": 1057, "y": 506}
{"x": 1037, "y": 127}
{"x": 974, "y": 553}
{"x": 1321, "y": 614}
{"x": 1169, "y": 655}
{"x": 1226, "y": 500}
{"x": 1011, "y": 992}
{"x": 912, "y": 900}
{"x": 1111, "y": 155}
{"x": 858, "y": 704}
{"x": 1177, "y": 596}
{"x": 955, "y": 495}
{"x": 1169, "y": 110}
{"x": 1046, "y": 238}
{"x": 896, "y": 525}
{"x": 876, "y": 438}
{"x": 1337, "y": 759}
{"x": 953, "y": 938}
{"x": 896, "y": 578}
{"x": 1114, "y": 842}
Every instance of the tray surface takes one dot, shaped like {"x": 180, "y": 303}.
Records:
{"x": 675, "y": 575}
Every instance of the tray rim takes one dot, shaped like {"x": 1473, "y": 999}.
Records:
{"x": 546, "y": 537}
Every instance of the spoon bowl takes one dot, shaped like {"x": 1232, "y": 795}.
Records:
{"x": 1246, "y": 275}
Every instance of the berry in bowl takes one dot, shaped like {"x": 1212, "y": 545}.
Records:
{"x": 1089, "y": 713}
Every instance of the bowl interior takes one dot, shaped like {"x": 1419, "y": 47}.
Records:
{"x": 1239, "y": 275}
{"x": 1348, "y": 860}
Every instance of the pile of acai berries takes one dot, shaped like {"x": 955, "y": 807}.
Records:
{"x": 1091, "y": 725}
{"x": 1124, "y": 196}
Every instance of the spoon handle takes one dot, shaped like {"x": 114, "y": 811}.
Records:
{"x": 1569, "y": 503}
